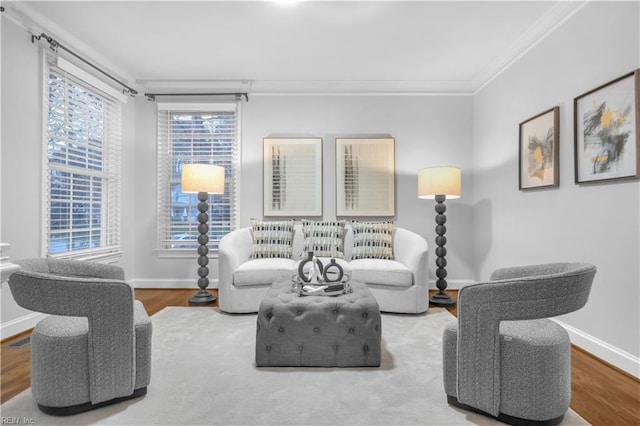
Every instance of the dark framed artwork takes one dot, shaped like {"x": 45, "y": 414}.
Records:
{"x": 607, "y": 144}
{"x": 539, "y": 150}
{"x": 292, "y": 180}
{"x": 365, "y": 176}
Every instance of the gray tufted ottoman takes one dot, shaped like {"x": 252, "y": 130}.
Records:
{"x": 318, "y": 331}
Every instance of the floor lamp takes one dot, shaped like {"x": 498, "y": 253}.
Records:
{"x": 203, "y": 179}
{"x": 440, "y": 183}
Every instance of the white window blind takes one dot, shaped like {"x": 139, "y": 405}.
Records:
{"x": 195, "y": 134}
{"x": 83, "y": 139}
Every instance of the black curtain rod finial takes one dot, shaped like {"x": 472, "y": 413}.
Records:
{"x": 238, "y": 96}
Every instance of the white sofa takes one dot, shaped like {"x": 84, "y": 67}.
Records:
{"x": 399, "y": 285}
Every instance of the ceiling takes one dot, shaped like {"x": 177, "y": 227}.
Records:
{"x": 309, "y": 46}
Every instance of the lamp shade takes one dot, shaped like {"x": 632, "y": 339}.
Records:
{"x": 202, "y": 178}
{"x": 434, "y": 181}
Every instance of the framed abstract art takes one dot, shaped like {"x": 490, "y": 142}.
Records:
{"x": 365, "y": 176}
{"x": 539, "y": 150}
{"x": 607, "y": 143}
{"x": 292, "y": 180}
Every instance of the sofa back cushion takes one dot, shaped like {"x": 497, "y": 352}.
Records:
{"x": 372, "y": 240}
{"x": 324, "y": 239}
{"x": 272, "y": 239}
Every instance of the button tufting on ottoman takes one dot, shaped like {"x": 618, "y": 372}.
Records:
{"x": 318, "y": 331}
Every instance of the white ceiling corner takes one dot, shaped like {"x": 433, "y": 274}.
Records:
{"x": 37, "y": 23}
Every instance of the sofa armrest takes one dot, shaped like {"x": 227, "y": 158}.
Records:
{"x": 234, "y": 250}
{"x": 411, "y": 250}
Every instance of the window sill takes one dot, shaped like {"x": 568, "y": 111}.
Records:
{"x": 183, "y": 254}
{"x": 110, "y": 256}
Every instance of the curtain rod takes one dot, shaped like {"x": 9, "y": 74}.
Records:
{"x": 55, "y": 45}
{"x": 238, "y": 95}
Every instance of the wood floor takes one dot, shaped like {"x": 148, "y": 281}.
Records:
{"x": 601, "y": 394}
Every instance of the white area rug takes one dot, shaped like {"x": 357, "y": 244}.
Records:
{"x": 203, "y": 372}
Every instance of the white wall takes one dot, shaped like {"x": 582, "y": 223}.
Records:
{"x": 21, "y": 152}
{"x": 429, "y": 131}
{"x": 21, "y": 163}
{"x": 597, "y": 223}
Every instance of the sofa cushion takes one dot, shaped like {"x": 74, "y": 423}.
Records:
{"x": 372, "y": 240}
{"x": 324, "y": 239}
{"x": 381, "y": 271}
{"x": 263, "y": 271}
{"x": 272, "y": 239}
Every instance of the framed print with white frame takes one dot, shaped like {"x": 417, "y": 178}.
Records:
{"x": 539, "y": 150}
{"x": 292, "y": 176}
{"x": 365, "y": 176}
{"x": 607, "y": 142}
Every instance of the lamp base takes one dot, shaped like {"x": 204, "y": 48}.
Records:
{"x": 203, "y": 297}
{"x": 442, "y": 299}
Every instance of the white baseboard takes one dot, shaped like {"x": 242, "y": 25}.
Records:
{"x": 169, "y": 283}
{"x": 614, "y": 356}
{"x": 20, "y": 324}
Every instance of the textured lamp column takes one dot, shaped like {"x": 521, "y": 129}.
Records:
{"x": 440, "y": 183}
{"x": 203, "y": 179}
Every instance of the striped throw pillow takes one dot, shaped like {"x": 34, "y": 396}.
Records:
{"x": 372, "y": 240}
{"x": 324, "y": 239}
{"x": 272, "y": 239}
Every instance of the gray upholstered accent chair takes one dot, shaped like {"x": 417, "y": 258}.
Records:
{"x": 95, "y": 347}
{"x": 503, "y": 357}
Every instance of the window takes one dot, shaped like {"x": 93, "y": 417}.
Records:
{"x": 195, "y": 133}
{"x": 82, "y": 142}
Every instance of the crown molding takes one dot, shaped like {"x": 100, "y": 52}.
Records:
{"x": 541, "y": 29}
{"x": 311, "y": 87}
{"x": 376, "y": 87}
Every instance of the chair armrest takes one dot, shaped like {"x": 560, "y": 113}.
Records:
{"x": 525, "y": 271}
{"x": 67, "y": 295}
{"x": 72, "y": 268}
{"x": 411, "y": 250}
{"x": 78, "y": 268}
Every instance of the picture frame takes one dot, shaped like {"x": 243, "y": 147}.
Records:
{"x": 539, "y": 151}
{"x": 292, "y": 176}
{"x": 606, "y": 138}
{"x": 365, "y": 176}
